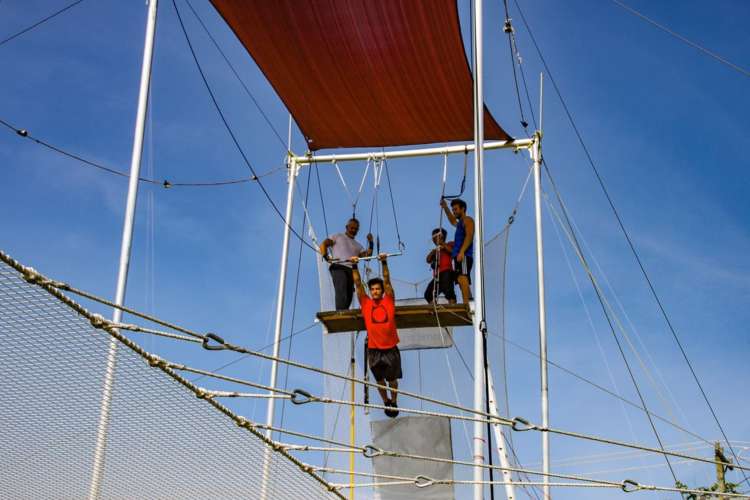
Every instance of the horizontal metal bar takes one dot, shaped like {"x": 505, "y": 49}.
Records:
{"x": 411, "y": 153}
{"x": 359, "y": 259}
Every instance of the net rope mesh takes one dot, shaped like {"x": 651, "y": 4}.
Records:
{"x": 163, "y": 442}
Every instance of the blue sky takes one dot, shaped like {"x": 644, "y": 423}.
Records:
{"x": 665, "y": 124}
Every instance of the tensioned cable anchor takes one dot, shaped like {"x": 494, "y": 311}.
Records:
{"x": 520, "y": 424}
{"x": 220, "y": 343}
{"x": 423, "y": 481}
{"x": 370, "y": 451}
{"x": 301, "y": 396}
{"x": 629, "y": 486}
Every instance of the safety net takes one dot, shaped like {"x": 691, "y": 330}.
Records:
{"x": 162, "y": 441}
{"x": 358, "y": 73}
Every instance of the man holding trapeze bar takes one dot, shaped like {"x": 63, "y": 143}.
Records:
{"x": 463, "y": 244}
{"x": 343, "y": 247}
{"x": 379, "y": 313}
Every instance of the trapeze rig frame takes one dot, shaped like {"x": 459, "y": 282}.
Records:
{"x": 309, "y": 158}
{"x": 294, "y": 165}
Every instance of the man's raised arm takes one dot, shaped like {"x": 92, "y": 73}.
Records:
{"x": 357, "y": 279}
{"x": 388, "y": 288}
{"x": 451, "y": 218}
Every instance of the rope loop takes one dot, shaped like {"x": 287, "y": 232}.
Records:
{"x": 166, "y": 184}
{"x": 202, "y": 393}
{"x": 370, "y": 451}
{"x": 423, "y": 481}
{"x": 520, "y": 424}
{"x": 22, "y": 132}
{"x": 301, "y": 396}
{"x": 98, "y": 321}
{"x": 243, "y": 423}
{"x": 155, "y": 361}
{"x": 219, "y": 346}
{"x": 629, "y": 486}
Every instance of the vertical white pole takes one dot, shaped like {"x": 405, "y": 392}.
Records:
{"x": 292, "y": 173}
{"x": 536, "y": 153}
{"x": 125, "y": 247}
{"x": 282, "y": 289}
{"x": 479, "y": 314}
{"x": 500, "y": 444}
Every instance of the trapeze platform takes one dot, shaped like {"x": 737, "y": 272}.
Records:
{"x": 411, "y": 316}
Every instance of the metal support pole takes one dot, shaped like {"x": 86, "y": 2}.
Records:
{"x": 293, "y": 169}
{"x": 479, "y": 313}
{"x": 536, "y": 155}
{"x": 352, "y": 418}
{"x": 501, "y": 445}
{"x": 125, "y": 247}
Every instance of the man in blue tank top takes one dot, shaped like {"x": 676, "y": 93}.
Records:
{"x": 463, "y": 246}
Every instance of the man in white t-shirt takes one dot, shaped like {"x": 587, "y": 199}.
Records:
{"x": 342, "y": 248}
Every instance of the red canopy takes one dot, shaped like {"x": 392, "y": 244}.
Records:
{"x": 364, "y": 73}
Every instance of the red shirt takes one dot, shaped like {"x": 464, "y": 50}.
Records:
{"x": 445, "y": 262}
{"x": 380, "y": 320}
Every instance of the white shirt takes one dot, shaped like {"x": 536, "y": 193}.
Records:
{"x": 344, "y": 248}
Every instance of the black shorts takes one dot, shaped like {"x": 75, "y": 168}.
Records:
{"x": 463, "y": 268}
{"x": 385, "y": 364}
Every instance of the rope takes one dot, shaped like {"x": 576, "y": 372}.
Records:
{"x": 164, "y": 183}
{"x": 39, "y": 23}
{"x": 393, "y": 205}
{"x": 320, "y": 192}
{"x": 683, "y": 39}
{"x": 296, "y": 293}
{"x": 370, "y": 451}
{"x": 237, "y": 76}
{"x": 627, "y": 235}
{"x": 626, "y": 485}
{"x": 352, "y": 199}
{"x": 601, "y": 388}
{"x": 463, "y": 179}
{"x": 508, "y": 28}
{"x": 666, "y": 402}
{"x": 99, "y": 322}
{"x": 518, "y": 424}
{"x": 229, "y": 130}
{"x": 602, "y": 302}
{"x": 630, "y": 243}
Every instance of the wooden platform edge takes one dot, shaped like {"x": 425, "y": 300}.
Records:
{"x": 412, "y": 316}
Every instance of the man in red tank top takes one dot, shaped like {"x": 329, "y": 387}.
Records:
{"x": 379, "y": 313}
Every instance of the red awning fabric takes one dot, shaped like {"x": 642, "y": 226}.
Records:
{"x": 364, "y": 73}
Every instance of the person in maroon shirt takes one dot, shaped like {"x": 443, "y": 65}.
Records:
{"x": 379, "y": 313}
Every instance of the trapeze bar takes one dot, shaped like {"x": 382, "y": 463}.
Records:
{"x": 419, "y": 316}
{"x": 410, "y": 153}
{"x": 371, "y": 257}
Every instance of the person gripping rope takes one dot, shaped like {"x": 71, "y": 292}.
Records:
{"x": 379, "y": 313}
{"x": 440, "y": 260}
{"x": 342, "y": 248}
{"x": 463, "y": 244}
